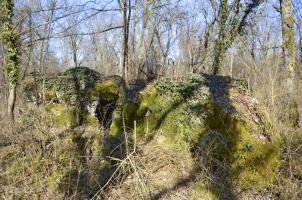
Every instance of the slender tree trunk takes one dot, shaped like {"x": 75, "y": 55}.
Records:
{"x": 144, "y": 43}
{"x": 12, "y": 54}
{"x": 229, "y": 27}
{"x": 125, "y": 37}
{"x": 11, "y": 102}
{"x": 299, "y": 26}
{"x": 289, "y": 58}
{"x": 124, "y": 41}
{"x": 30, "y": 42}
{"x": 220, "y": 46}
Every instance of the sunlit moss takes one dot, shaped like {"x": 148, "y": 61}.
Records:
{"x": 185, "y": 113}
{"x": 106, "y": 90}
{"x": 92, "y": 121}
{"x": 253, "y": 158}
{"x": 205, "y": 191}
{"x": 61, "y": 115}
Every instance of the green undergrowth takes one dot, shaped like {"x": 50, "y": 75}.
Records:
{"x": 55, "y": 165}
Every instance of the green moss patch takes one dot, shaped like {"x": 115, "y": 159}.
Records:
{"x": 210, "y": 113}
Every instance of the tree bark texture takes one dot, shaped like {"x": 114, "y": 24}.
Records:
{"x": 289, "y": 58}
{"x": 12, "y": 53}
{"x": 220, "y": 46}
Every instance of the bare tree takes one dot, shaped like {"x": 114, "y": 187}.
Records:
{"x": 125, "y": 7}
{"x": 231, "y": 22}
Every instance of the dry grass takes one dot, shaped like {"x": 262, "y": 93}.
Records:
{"x": 151, "y": 170}
{"x": 266, "y": 81}
{"x": 40, "y": 162}
{"x": 289, "y": 184}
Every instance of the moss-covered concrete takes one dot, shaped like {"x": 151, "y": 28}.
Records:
{"x": 81, "y": 81}
{"x": 77, "y": 96}
{"x": 205, "y": 111}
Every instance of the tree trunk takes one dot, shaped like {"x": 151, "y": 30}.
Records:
{"x": 123, "y": 6}
{"x": 220, "y": 46}
{"x": 11, "y": 102}
{"x": 125, "y": 37}
{"x": 230, "y": 25}
{"x": 11, "y": 52}
{"x": 289, "y": 58}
